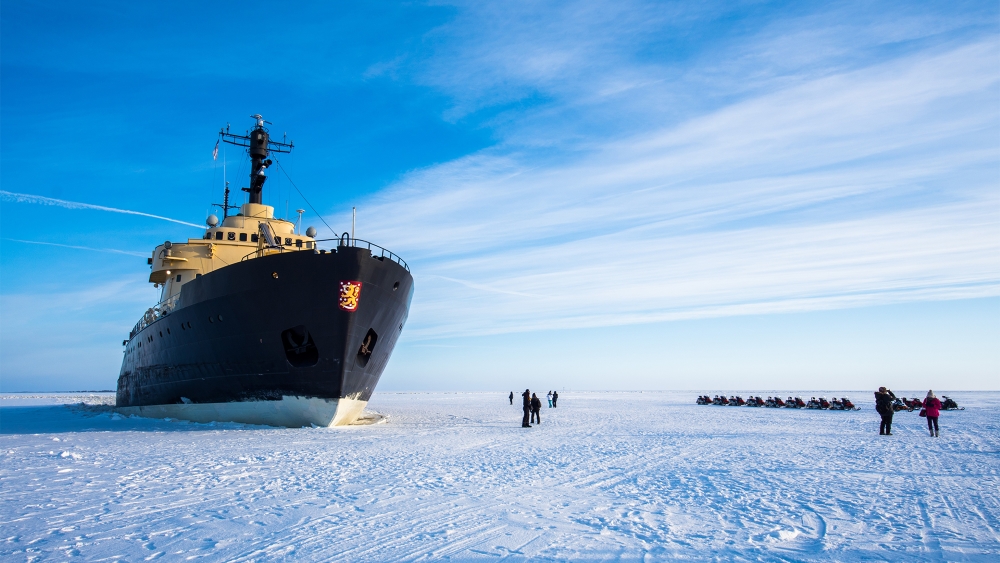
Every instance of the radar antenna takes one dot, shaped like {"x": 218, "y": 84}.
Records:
{"x": 225, "y": 204}
{"x": 258, "y": 143}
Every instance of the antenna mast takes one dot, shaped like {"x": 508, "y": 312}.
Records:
{"x": 258, "y": 143}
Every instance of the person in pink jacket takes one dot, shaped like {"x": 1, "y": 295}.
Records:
{"x": 933, "y": 407}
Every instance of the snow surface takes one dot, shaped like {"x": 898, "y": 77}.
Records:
{"x": 606, "y": 476}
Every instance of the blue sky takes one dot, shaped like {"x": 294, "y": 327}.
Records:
{"x": 591, "y": 195}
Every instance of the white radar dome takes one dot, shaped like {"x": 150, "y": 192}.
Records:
{"x": 212, "y": 221}
{"x": 311, "y": 232}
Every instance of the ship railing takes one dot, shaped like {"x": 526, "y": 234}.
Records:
{"x": 347, "y": 240}
{"x": 263, "y": 251}
{"x": 155, "y": 313}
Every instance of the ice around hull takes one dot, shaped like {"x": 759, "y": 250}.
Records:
{"x": 293, "y": 412}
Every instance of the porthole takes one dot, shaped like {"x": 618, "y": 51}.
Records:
{"x": 189, "y": 324}
{"x": 395, "y": 286}
{"x": 211, "y": 320}
{"x": 168, "y": 331}
{"x": 274, "y": 275}
{"x": 161, "y": 334}
{"x": 288, "y": 242}
{"x": 220, "y": 318}
{"x": 231, "y": 236}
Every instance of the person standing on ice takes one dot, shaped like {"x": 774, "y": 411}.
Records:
{"x": 555, "y": 399}
{"x": 883, "y": 406}
{"x": 526, "y": 407}
{"x": 536, "y": 409}
{"x": 549, "y": 396}
{"x": 512, "y": 397}
{"x": 933, "y": 407}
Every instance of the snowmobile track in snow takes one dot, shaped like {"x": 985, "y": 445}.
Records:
{"x": 453, "y": 476}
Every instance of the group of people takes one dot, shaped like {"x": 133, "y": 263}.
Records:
{"x": 532, "y": 406}
{"x": 931, "y": 408}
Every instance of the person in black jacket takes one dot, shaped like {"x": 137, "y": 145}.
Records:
{"x": 555, "y": 399}
{"x": 536, "y": 409}
{"x": 512, "y": 397}
{"x": 883, "y": 406}
{"x": 526, "y": 407}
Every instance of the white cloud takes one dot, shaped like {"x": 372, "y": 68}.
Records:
{"x": 870, "y": 186}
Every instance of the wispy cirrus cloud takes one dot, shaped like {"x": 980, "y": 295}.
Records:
{"x": 42, "y": 200}
{"x": 75, "y": 247}
{"x": 867, "y": 180}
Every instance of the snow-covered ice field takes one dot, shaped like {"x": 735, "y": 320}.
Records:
{"x": 605, "y": 477}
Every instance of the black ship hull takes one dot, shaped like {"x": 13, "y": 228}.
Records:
{"x": 269, "y": 340}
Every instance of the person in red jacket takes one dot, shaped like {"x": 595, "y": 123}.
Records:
{"x": 933, "y": 406}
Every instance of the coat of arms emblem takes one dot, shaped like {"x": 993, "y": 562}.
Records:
{"x": 350, "y": 295}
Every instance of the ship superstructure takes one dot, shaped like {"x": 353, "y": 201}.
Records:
{"x": 256, "y": 323}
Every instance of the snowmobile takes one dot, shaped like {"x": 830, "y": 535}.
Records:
{"x": 704, "y": 400}
{"x": 900, "y": 404}
{"x": 755, "y": 402}
{"x": 736, "y": 401}
{"x": 796, "y": 403}
{"x": 842, "y": 404}
{"x": 814, "y": 404}
{"x": 913, "y": 403}
{"x": 823, "y": 403}
{"x": 720, "y": 400}
{"x": 778, "y": 403}
{"x": 949, "y": 404}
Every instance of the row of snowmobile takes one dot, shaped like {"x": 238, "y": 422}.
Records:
{"x": 835, "y": 404}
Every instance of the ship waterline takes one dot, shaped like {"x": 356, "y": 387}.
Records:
{"x": 288, "y": 411}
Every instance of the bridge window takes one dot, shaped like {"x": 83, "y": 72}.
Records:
{"x": 253, "y": 237}
{"x": 208, "y": 235}
{"x": 231, "y": 236}
{"x": 309, "y": 244}
{"x": 178, "y": 278}
{"x": 298, "y": 243}
{"x": 243, "y": 237}
{"x": 218, "y": 235}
